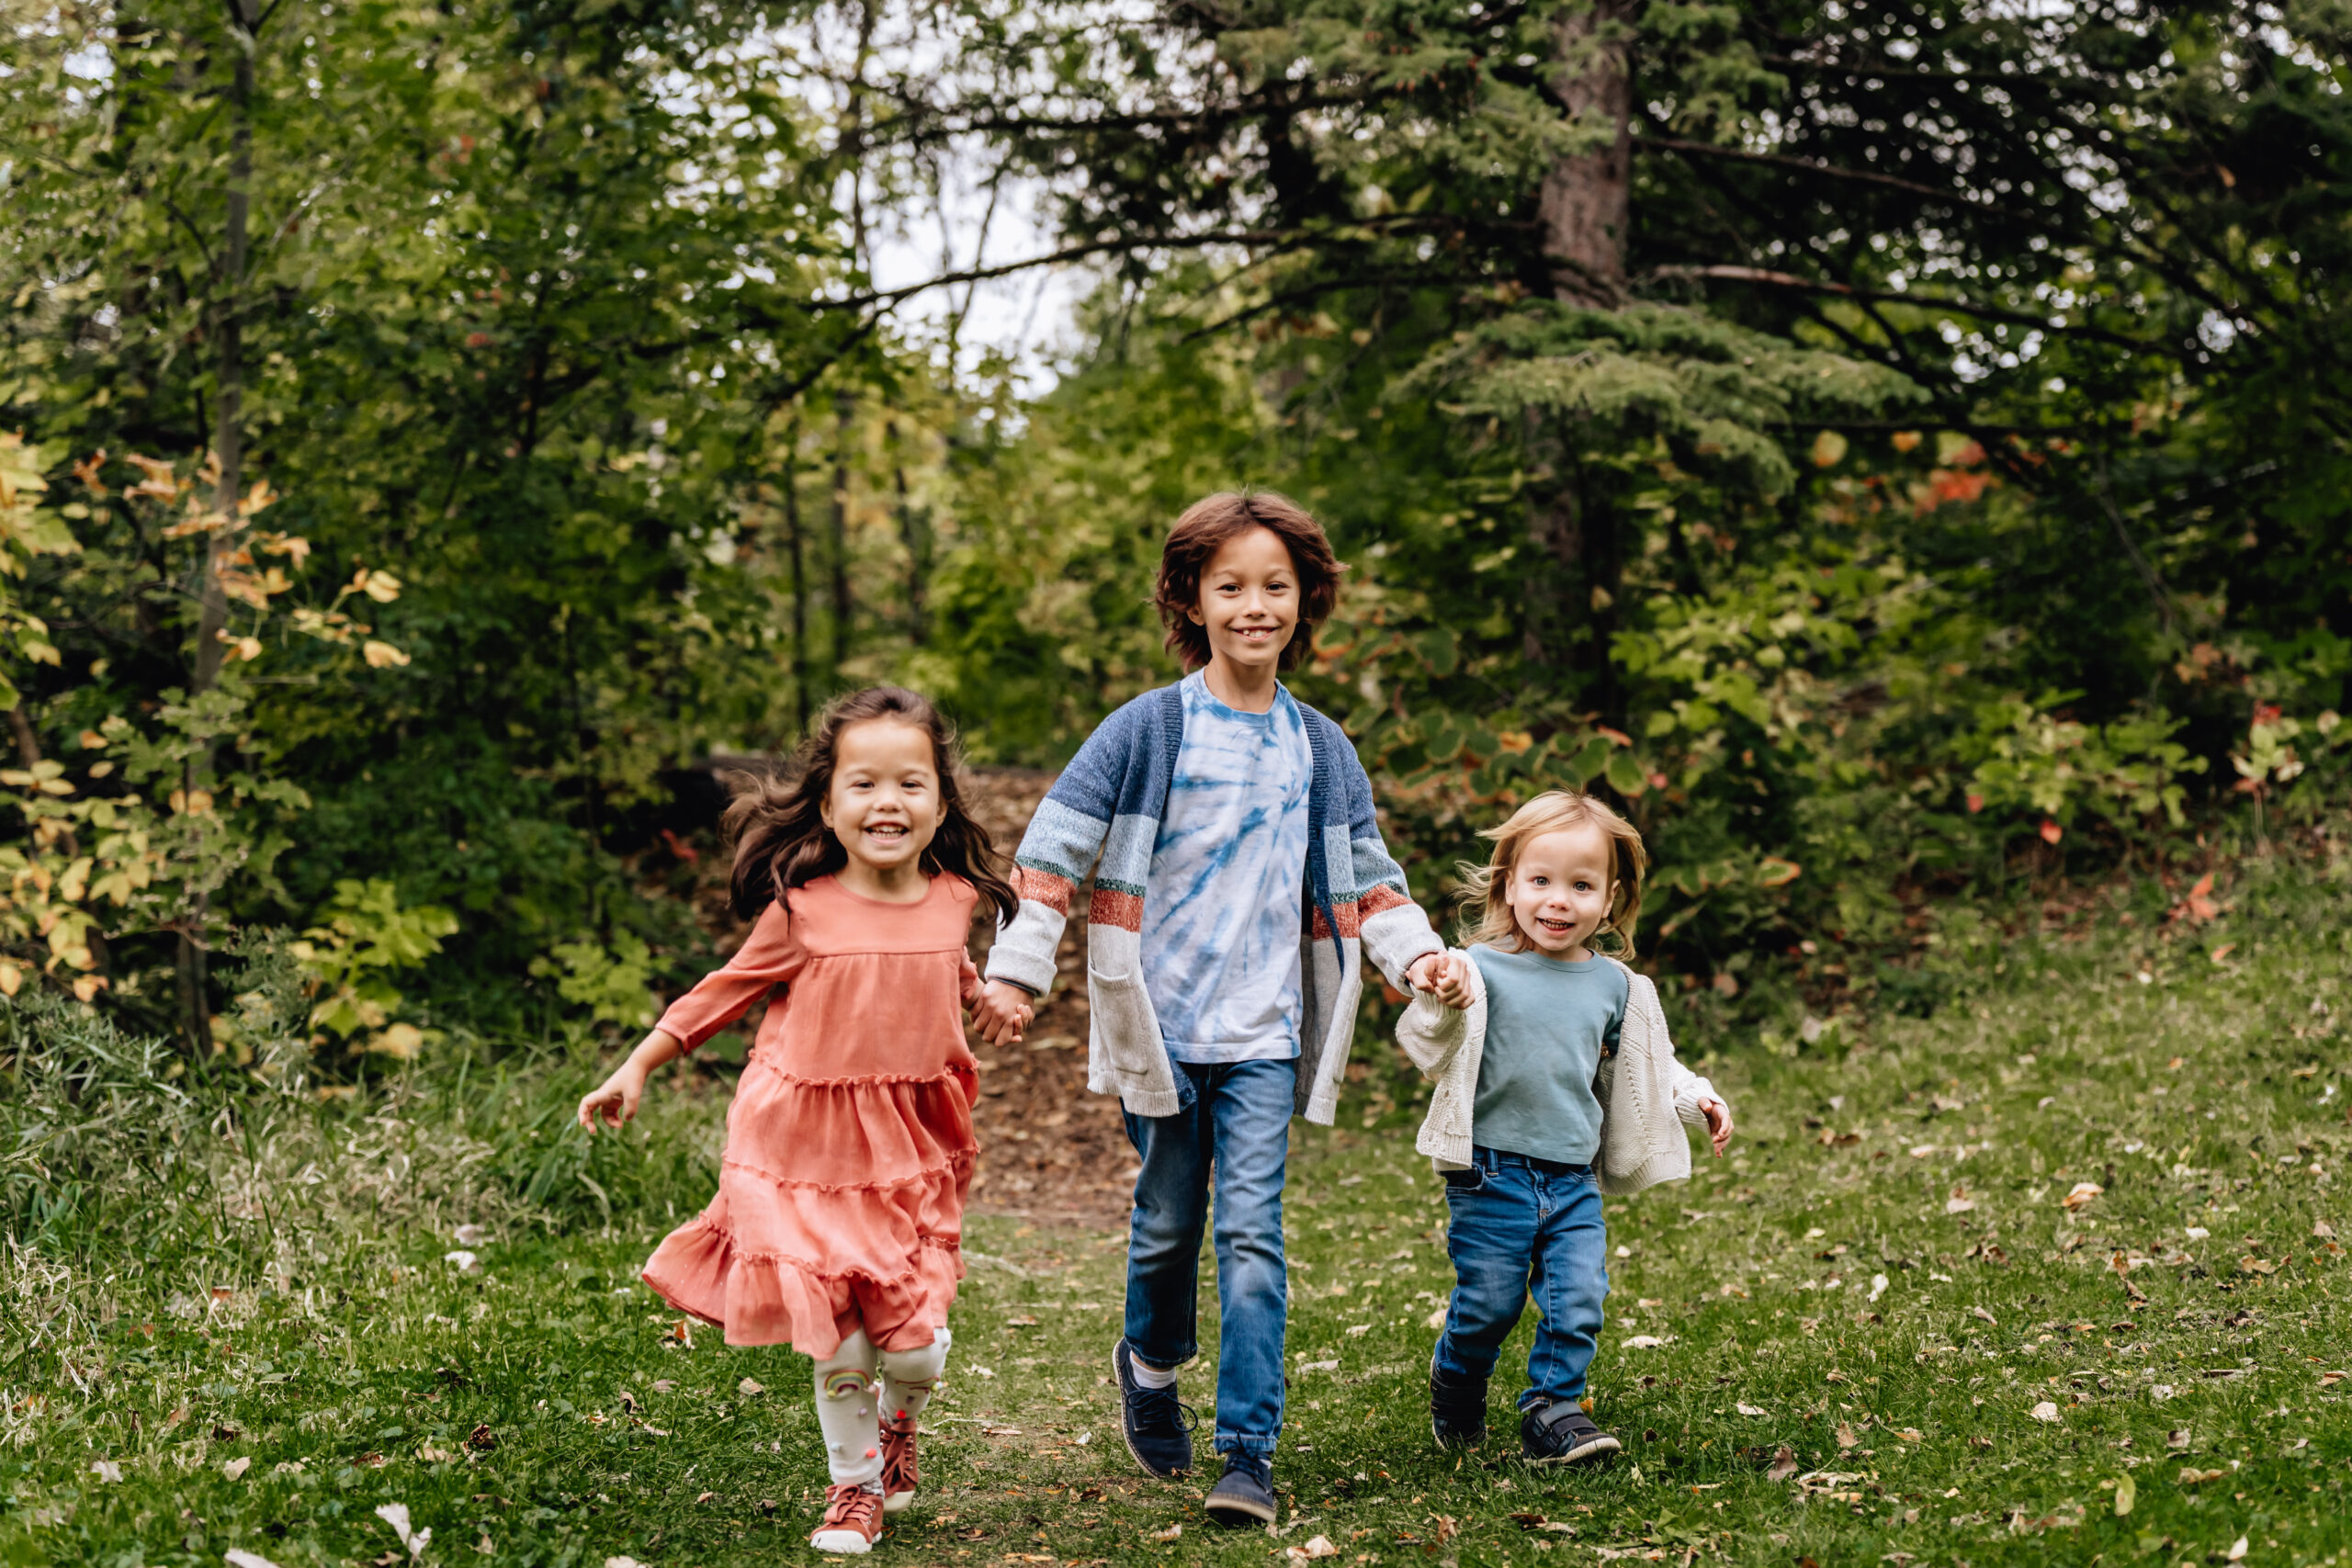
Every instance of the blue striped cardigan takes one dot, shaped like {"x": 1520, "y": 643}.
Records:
{"x": 1106, "y": 806}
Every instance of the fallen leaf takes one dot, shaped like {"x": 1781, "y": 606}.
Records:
{"x": 622, "y": 1562}
{"x": 1642, "y": 1342}
{"x": 1751, "y": 1410}
{"x": 2322, "y": 1230}
{"x": 1960, "y": 1202}
{"x": 706, "y": 1496}
{"x": 2178, "y": 1438}
{"x": 1171, "y": 1533}
{"x": 482, "y": 1439}
{"x": 2127, "y": 1492}
{"x": 1912, "y": 1435}
{"x": 396, "y": 1515}
{"x": 1435, "y": 1319}
{"x": 106, "y": 1470}
{"x": 2236, "y": 1552}
{"x": 2046, "y": 1411}
{"x": 1980, "y": 1312}
{"x": 2221, "y": 954}
{"x": 1785, "y": 1464}
{"x": 238, "y": 1557}
{"x": 2084, "y": 1193}
{"x": 2192, "y": 1476}
{"x": 747, "y": 1388}
{"x": 1020, "y": 1323}
{"x": 1316, "y": 1546}
{"x": 1846, "y": 1439}
{"x": 236, "y": 1468}
{"x": 464, "y": 1262}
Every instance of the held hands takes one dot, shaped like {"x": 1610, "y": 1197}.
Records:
{"x": 1718, "y": 1117}
{"x": 1000, "y": 1011}
{"x": 1444, "y": 975}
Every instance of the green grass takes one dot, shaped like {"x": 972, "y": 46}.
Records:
{"x": 356, "y": 1379}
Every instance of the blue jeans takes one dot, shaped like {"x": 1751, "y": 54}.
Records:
{"x": 1519, "y": 1225}
{"x": 1238, "y": 1126}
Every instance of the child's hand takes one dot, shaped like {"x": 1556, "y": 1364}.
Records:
{"x": 1444, "y": 975}
{"x": 615, "y": 1101}
{"x": 1001, "y": 1012}
{"x": 1718, "y": 1117}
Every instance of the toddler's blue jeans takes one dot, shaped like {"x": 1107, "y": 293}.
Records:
{"x": 1521, "y": 1225}
{"x": 1238, "y": 1127}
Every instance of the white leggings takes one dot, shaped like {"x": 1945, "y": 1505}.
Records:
{"x": 846, "y": 1411}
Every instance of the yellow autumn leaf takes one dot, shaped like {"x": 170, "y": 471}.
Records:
{"x": 380, "y": 586}
{"x": 381, "y": 655}
{"x": 400, "y": 1041}
{"x": 12, "y": 979}
{"x": 1829, "y": 449}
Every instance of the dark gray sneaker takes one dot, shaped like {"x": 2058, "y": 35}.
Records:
{"x": 1561, "y": 1432}
{"x": 1157, "y": 1428}
{"x": 1457, "y": 1409}
{"x": 1244, "y": 1495}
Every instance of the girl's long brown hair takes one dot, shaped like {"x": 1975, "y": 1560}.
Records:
{"x": 781, "y": 840}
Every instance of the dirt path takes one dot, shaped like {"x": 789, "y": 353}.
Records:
{"x": 1049, "y": 1151}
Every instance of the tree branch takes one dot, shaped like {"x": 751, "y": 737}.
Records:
{"x": 1893, "y": 297}
{"x": 1808, "y": 165}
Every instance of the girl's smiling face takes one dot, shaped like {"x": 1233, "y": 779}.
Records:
{"x": 884, "y": 804}
{"x": 1559, "y": 889}
{"x": 1249, "y": 600}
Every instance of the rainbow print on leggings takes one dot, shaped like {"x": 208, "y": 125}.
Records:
{"x": 843, "y": 1381}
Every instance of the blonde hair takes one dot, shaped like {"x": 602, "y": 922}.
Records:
{"x": 1486, "y": 887}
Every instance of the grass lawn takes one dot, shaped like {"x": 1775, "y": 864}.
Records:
{"x": 2046, "y": 1275}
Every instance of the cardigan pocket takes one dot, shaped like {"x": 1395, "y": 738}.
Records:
{"x": 1127, "y": 1030}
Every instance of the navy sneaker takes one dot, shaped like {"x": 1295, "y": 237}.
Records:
{"x": 1244, "y": 1496}
{"x": 1157, "y": 1428}
{"x": 1457, "y": 1409}
{"x": 1561, "y": 1432}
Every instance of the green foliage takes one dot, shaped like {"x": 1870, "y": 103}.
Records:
{"x": 365, "y": 936}
{"x": 614, "y": 984}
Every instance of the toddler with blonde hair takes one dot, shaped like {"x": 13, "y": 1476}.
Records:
{"x": 1556, "y": 1082}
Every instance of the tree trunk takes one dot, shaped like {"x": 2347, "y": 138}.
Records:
{"x": 1585, "y": 210}
{"x": 1587, "y": 201}
{"x": 914, "y": 533}
{"x": 228, "y": 454}
{"x": 799, "y": 581}
{"x": 838, "y": 544}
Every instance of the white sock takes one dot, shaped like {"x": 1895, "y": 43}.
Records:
{"x": 1148, "y": 1375}
{"x": 909, "y": 1376}
{"x": 845, "y": 1396}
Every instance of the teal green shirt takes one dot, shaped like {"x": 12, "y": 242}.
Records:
{"x": 1549, "y": 1023}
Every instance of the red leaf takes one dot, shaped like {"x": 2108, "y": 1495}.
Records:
{"x": 2052, "y": 832}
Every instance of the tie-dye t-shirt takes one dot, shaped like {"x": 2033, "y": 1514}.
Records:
{"x": 1228, "y": 883}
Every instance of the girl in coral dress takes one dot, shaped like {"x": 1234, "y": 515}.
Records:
{"x": 849, "y": 1146}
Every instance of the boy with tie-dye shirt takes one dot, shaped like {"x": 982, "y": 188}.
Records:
{"x": 1242, "y": 882}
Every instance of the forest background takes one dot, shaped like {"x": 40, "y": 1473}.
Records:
{"x": 1899, "y": 451}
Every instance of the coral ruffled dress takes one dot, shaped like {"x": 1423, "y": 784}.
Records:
{"x": 848, "y": 1145}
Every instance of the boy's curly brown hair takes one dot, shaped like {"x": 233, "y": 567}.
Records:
{"x": 1203, "y": 531}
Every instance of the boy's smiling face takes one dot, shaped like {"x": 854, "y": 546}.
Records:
{"x": 1250, "y": 601}
{"x": 1559, "y": 889}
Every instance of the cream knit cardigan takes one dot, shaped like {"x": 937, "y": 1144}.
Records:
{"x": 1646, "y": 1095}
